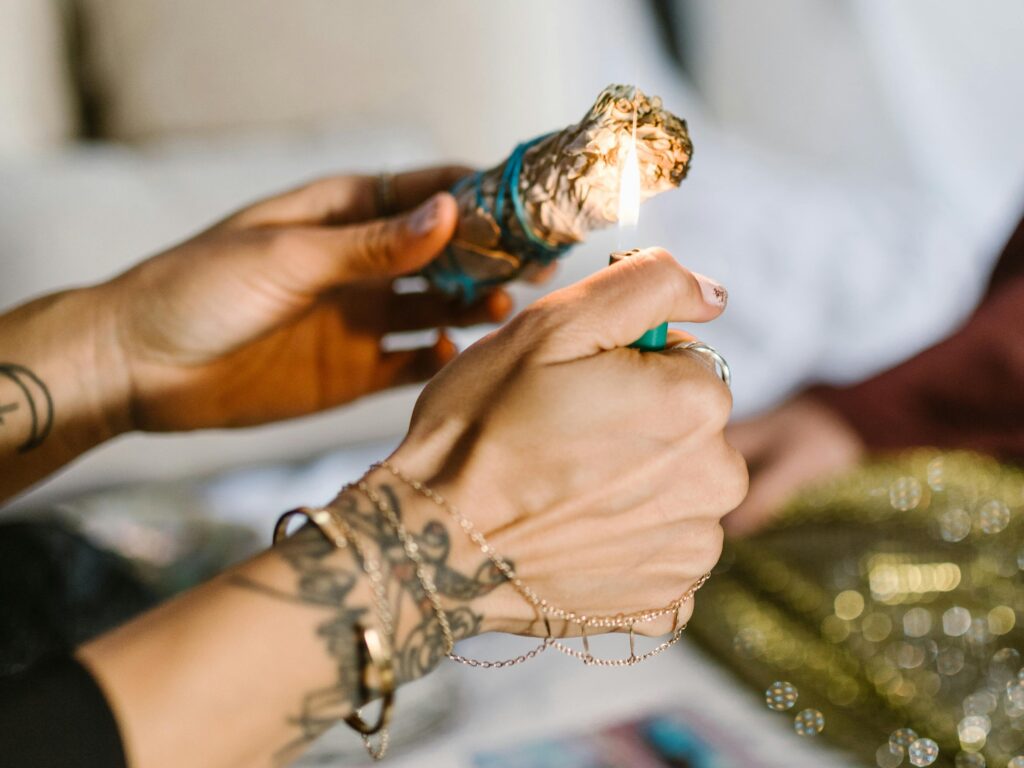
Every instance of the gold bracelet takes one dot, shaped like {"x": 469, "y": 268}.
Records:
{"x": 380, "y": 657}
{"x": 322, "y": 518}
{"x": 545, "y": 608}
{"x": 412, "y": 552}
{"x": 378, "y": 647}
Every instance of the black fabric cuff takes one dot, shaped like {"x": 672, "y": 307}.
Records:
{"x": 54, "y": 715}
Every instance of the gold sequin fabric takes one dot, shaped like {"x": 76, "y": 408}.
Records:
{"x": 891, "y": 598}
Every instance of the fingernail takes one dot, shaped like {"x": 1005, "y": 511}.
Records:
{"x": 713, "y": 293}
{"x": 424, "y": 218}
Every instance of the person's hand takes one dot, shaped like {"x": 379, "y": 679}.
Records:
{"x": 279, "y": 310}
{"x": 601, "y": 471}
{"x": 799, "y": 442}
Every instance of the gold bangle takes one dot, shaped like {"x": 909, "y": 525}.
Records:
{"x": 329, "y": 526}
{"x": 339, "y": 533}
{"x": 380, "y": 659}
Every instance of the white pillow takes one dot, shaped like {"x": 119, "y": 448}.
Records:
{"x": 37, "y": 109}
{"x": 473, "y": 77}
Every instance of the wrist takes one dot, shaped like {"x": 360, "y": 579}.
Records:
{"x": 66, "y": 344}
{"x": 111, "y": 384}
{"x": 475, "y": 593}
{"x": 456, "y": 572}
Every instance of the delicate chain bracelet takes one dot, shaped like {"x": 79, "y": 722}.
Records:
{"x": 380, "y": 645}
{"x": 412, "y": 551}
{"x": 379, "y": 648}
{"x": 430, "y": 589}
{"x": 545, "y": 608}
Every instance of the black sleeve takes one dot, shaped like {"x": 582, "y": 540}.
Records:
{"x": 54, "y": 715}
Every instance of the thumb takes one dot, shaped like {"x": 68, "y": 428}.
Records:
{"x": 383, "y": 247}
{"x": 612, "y": 307}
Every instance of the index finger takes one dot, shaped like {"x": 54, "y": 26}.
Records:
{"x": 615, "y": 306}
{"x": 346, "y": 199}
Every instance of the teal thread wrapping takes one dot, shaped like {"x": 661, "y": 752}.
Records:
{"x": 447, "y": 274}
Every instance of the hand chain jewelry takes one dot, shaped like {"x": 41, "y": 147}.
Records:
{"x": 546, "y": 609}
{"x": 430, "y": 589}
{"x": 412, "y": 551}
{"x": 379, "y": 649}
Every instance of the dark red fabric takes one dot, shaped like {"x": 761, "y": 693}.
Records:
{"x": 965, "y": 392}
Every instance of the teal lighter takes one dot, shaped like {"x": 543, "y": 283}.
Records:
{"x": 654, "y": 339}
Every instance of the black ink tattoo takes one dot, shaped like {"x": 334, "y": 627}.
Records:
{"x": 37, "y": 397}
{"x": 325, "y": 584}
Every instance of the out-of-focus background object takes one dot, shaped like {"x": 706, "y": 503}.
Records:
{"x": 904, "y": 615}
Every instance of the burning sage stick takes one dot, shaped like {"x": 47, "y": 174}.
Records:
{"x": 528, "y": 211}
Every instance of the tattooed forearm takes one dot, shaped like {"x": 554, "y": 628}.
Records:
{"x": 26, "y": 392}
{"x": 327, "y": 578}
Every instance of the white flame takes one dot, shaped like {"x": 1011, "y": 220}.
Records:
{"x": 629, "y": 187}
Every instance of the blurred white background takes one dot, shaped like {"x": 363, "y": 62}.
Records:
{"x": 856, "y": 169}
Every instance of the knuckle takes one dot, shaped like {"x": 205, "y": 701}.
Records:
{"x": 680, "y": 281}
{"x": 655, "y": 260}
{"x": 288, "y": 245}
{"x": 710, "y": 399}
{"x": 734, "y": 479}
{"x": 712, "y": 550}
{"x": 657, "y": 256}
{"x": 665, "y": 625}
{"x": 538, "y": 321}
{"x": 656, "y": 627}
{"x": 377, "y": 246}
{"x": 669, "y": 276}
{"x": 314, "y": 192}
{"x": 329, "y": 194}
{"x": 686, "y": 611}
{"x": 705, "y": 539}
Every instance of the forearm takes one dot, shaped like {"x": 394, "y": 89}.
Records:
{"x": 62, "y": 384}
{"x": 251, "y": 667}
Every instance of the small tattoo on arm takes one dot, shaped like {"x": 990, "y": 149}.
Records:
{"x": 36, "y": 397}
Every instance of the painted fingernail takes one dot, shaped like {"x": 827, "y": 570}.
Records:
{"x": 713, "y": 293}
{"x": 424, "y": 218}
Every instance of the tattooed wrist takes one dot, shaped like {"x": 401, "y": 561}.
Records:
{"x": 334, "y": 581}
{"x": 419, "y": 645}
{"x": 25, "y": 404}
